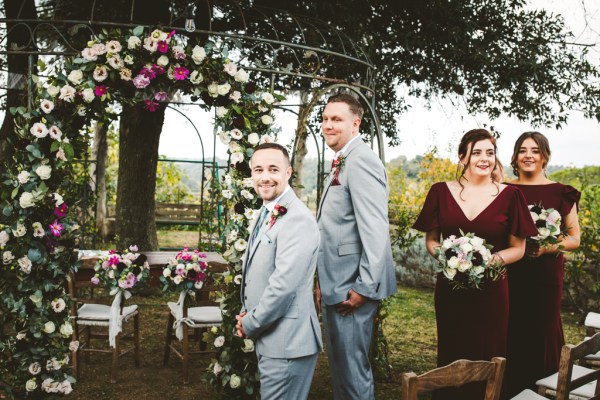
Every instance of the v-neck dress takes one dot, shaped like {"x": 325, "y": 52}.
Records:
{"x": 473, "y": 323}
{"x": 535, "y": 335}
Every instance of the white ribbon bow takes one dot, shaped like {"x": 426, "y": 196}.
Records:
{"x": 115, "y": 322}
{"x": 179, "y": 319}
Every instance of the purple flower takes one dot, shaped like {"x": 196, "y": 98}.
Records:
{"x": 141, "y": 81}
{"x": 161, "y": 96}
{"x": 95, "y": 280}
{"x": 100, "y": 90}
{"x": 181, "y": 73}
{"x": 61, "y": 211}
{"x": 158, "y": 70}
{"x": 162, "y": 46}
{"x": 56, "y": 228}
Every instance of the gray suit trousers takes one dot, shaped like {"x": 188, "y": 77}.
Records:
{"x": 348, "y": 340}
{"x": 286, "y": 378}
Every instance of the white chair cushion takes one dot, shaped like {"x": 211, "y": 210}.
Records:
{"x": 206, "y": 314}
{"x": 99, "y": 312}
{"x": 584, "y": 392}
{"x": 592, "y": 320}
{"x": 528, "y": 395}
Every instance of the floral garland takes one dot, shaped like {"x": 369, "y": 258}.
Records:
{"x": 38, "y": 236}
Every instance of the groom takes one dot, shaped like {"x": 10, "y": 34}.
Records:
{"x": 277, "y": 287}
{"x": 355, "y": 259}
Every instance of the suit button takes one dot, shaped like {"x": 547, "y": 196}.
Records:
{"x": 245, "y": 297}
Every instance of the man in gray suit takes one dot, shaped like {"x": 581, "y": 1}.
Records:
{"x": 277, "y": 286}
{"x": 355, "y": 266}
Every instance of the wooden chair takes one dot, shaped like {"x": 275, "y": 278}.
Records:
{"x": 592, "y": 323}
{"x": 457, "y": 374}
{"x": 572, "y": 381}
{"x": 92, "y": 321}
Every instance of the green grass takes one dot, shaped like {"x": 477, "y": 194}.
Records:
{"x": 410, "y": 331}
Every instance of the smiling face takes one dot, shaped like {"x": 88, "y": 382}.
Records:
{"x": 270, "y": 173}
{"x": 481, "y": 159}
{"x": 530, "y": 159}
{"x": 339, "y": 125}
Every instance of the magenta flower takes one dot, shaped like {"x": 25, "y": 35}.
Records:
{"x": 100, "y": 90}
{"x": 158, "y": 70}
{"x": 114, "y": 260}
{"x": 161, "y": 96}
{"x": 56, "y": 228}
{"x": 61, "y": 211}
{"x": 170, "y": 34}
{"x": 162, "y": 46}
{"x": 181, "y": 73}
{"x": 149, "y": 73}
{"x": 150, "y": 105}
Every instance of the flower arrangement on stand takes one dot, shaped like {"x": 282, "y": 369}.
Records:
{"x": 39, "y": 237}
{"x": 466, "y": 260}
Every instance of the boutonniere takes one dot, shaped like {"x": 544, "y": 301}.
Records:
{"x": 278, "y": 211}
{"x": 336, "y": 167}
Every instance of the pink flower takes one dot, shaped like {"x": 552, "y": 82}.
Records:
{"x": 158, "y": 70}
{"x": 170, "y": 34}
{"x": 162, "y": 46}
{"x": 181, "y": 73}
{"x": 150, "y": 105}
{"x": 141, "y": 81}
{"x": 161, "y": 96}
{"x": 114, "y": 260}
{"x": 100, "y": 90}
{"x": 95, "y": 280}
{"x": 61, "y": 211}
{"x": 56, "y": 228}
{"x": 149, "y": 73}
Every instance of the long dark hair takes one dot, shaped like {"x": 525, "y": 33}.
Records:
{"x": 542, "y": 143}
{"x": 470, "y": 138}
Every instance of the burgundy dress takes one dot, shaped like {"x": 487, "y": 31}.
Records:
{"x": 535, "y": 335}
{"x": 473, "y": 323}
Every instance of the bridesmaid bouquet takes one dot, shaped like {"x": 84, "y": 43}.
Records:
{"x": 466, "y": 260}
{"x": 121, "y": 271}
{"x": 547, "y": 222}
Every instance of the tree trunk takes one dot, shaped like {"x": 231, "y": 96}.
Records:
{"x": 138, "y": 157}
{"x": 98, "y": 177}
{"x": 300, "y": 149}
{"x": 18, "y": 71}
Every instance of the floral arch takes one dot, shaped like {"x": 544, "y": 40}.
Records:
{"x": 39, "y": 237}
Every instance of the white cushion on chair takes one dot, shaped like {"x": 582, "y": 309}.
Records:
{"x": 528, "y": 395}
{"x": 592, "y": 320}
{"x": 99, "y": 312}
{"x": 206, "y": 314}
{"x": 584, "y": 392}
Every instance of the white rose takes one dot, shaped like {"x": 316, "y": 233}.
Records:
{"x": 221, "y": 112}
{"x": 75, "y": 76}
{"x": 52, "y": 90}
{"x": 167, "y": 272}
{"x": 542, "y": 216}
{"x": 133, "y": 42}
{"x": 466, "y": 248}
{"x": 213, "y": 89}
{"x": 89, "y": 54}
{"x": 450, "y": 273}
{"x": 30, "y": 385}
{"x": 39, "y": 130}
{"x": 198, "y": 285}
{"x": 26, "y": 200}
{"x": 196, "y": 77}
{"x": 3, "y": 238}
{"x": 224, "y": 137}
{"x": 24, "y": 264}
{"x": 47, "y": 106}
{"x": 163, "y": 61}
{"x": 240, "y": 245}
{"x": 58, "y": 199}
{"x": 43, "y": 171}
{"x": 198, "y": 54}
{"x": 178, "y": 279}
{"x": 534, "y": 216}
{"x": 446, "y": 244}
{"x": 476, "y": 241}
{"x": 543, "y": 233}
{"x": 223, "y": 89}
{"x": 217, "y": 368}
{"x": 88, "y": 95}
{"x": 464, "y": 265}
{"x": 237, "y": 157}
{"x": 266, "y": 119}
{"x": 453, "y": 262}
{"x": 267, "y": 98}
{"x": 236, "y": 134}
{"x": 23, "y": 177}
{"x": 235, "y": 381}
{"x": 113, "y": 46}
{"x": 478, "y": 270}
{"x": 219, "y": 341}
{"x": 66, "y": 329}
{"x": 227, "y": 194}
{"x": 74, "y": 345}
{"x": 235, "y": 96}
{"x": 99, "y": 48}
{"x": 20, "y": 230}
{"x": 241, "y": 76}
{"x": 253, "y": 139}
{"x": 49, "y": 327}
{"x": 248, "y": 346}
{"x": 67, "y": 93}
{"x": 7, "y": 257}
{"x": 230, "y": 68}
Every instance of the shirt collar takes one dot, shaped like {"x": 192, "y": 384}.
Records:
{"x": 345, "y": 148}
{"x": 271, "y": 205}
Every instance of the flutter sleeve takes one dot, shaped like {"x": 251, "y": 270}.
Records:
{"x": 520, "y": 222}
{"x": 428, "y": 219}
{"x": 570, "y": 196}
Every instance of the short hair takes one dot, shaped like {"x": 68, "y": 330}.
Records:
{"x": 275, "y": 146}
{"x": 355, "y": 107}
{"x": 542, "y": 143}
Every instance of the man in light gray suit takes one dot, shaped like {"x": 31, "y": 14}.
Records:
{"x": 277, "y": 286}
{"x": 355, "y": 266}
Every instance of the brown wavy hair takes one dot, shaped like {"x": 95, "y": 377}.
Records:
{"x": 470, "y": 138}
{"x": 542, "y": 143}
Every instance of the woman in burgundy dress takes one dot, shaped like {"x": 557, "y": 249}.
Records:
{"x": 535, "y": 283}
{"x": 473, "y": 323}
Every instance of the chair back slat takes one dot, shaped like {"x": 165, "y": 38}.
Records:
{"x": 457, "y": 374}
{"x": 570, "y": 354}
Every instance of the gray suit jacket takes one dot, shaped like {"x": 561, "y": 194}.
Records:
{"x": 277, "y": 285}
{"x": 355, "y": 251}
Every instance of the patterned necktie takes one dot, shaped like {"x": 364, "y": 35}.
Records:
{"x": 263, "y": 214}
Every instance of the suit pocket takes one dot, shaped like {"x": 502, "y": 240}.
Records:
{"x": 349, "y": 248}
{"x": 292, "y": 311}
